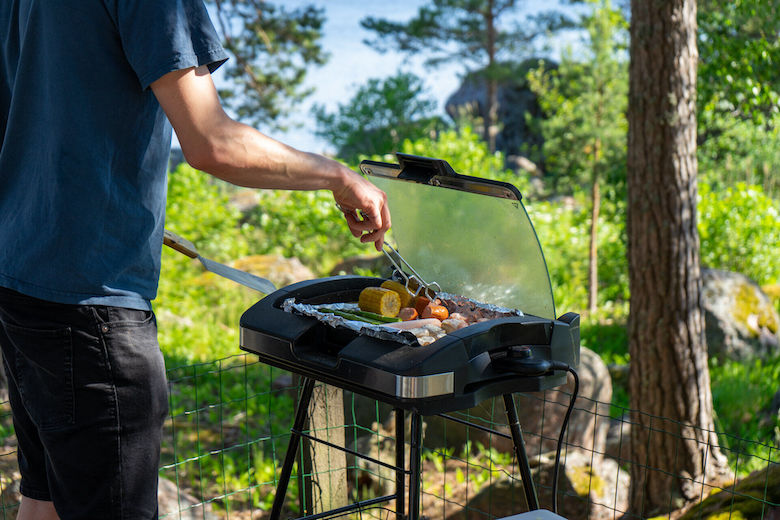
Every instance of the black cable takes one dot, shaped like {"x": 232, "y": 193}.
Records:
{"x": 562, "y": 366}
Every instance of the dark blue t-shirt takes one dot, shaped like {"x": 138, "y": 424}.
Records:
{"x": 84, "y": 143}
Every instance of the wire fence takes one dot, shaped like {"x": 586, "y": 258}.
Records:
{"x": 229, "y": 425}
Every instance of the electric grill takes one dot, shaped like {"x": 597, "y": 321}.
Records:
{"x": 474, "y": 238}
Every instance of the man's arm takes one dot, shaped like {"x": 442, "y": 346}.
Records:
{"x": 213, "y": 142}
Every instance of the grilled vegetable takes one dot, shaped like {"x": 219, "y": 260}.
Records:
{"x": 380, "y": 301}
{"x": 351, "y": 316}
{"x": 435, "y": 311}
{"x": 377, "y": 317}
{"x": 407, "y": 298}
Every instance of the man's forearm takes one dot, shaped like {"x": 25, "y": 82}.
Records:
{"x": 241, "y": 155}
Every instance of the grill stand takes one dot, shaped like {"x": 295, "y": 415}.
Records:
{"x": 415, "y": 460}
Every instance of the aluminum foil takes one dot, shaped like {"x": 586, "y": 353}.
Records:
{"x": 388, "y": 333}
{"x": 501, "y": 312}
{"x": 375, "y": 331}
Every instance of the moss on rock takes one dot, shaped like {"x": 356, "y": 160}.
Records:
{"x": 752, "y": 312}
{"x": 749, "y": 498}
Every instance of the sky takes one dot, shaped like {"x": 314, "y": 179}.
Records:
{"x": 352, "y": 63}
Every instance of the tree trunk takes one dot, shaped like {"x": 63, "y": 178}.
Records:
{"x": 491, "y": 119}
{"x": 673, "y": 445}
{"x": 595, "y": 199}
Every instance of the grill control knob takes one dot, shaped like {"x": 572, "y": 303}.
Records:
{"x": 520, "y": 360}
{"x": 519, "y": 352}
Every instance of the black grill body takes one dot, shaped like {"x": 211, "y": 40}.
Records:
{"x": 455, "y": 372}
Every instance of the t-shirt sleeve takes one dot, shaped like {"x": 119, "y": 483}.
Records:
{"x": 160, "y": 36}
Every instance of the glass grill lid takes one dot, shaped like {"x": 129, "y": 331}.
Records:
{"x": 471, "y": 235}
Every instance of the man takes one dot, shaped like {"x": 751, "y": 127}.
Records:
{"x": 85, "y": 88}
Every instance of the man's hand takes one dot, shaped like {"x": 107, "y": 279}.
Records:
{"x": 365, "y": 209}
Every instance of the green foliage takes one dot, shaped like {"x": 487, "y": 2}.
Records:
{"x": 198, "y": 315}
{"x": 467, "y": 153}
{"x": 378, "y": 117}
{"x": 198, "y": 210}
{"x": 306, "y": 225}
{"x": 741, "y": 393}
{"x": 738, "y": 93}
{"x": 563, "y": 232}
{"x": 739, "y": 228}
{"x": 584, "y": 104}
{"x": 739, "y": 53}
{"x": 219, "y": 410}
{"x": 460, "y": 30}
{"x": 738, "y": 150}
{"x": 272, "y": 48}
{"x": 473, "y": 33}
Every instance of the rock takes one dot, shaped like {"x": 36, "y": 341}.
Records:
{"x": 515, "y": 102}
{"x": 584, "y": 490}
{"x": 741, "y": 322}
{"x": 619, "y": 439}
{"x": 541, "y": 415}
{"x": 174, "y": 502}
{"x": 283, "y": 382}
{"x": 279, "y": 270}
{"x": 751, "y": 497}
{"x": 356, "y": 264}
{"x": 245, "y": 201}
{"x": 770, "y": 416}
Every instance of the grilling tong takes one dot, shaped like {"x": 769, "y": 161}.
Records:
{"x": 414, "y": 282}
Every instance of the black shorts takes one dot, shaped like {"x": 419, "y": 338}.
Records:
{"x": 89, "y": 397}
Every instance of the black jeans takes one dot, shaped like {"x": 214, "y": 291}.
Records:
{"x": 89, "y": 397}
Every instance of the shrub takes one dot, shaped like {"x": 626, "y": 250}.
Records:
{"x": 739, "y": 227}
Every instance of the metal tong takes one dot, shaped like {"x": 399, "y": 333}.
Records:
{"x": 414, "y": 282}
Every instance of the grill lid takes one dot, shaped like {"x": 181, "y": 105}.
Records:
{"x": 471, "y": 235}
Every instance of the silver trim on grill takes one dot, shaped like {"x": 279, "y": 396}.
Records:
{"x": 416, "y": 387}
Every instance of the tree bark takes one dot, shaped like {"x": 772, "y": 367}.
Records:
{"x": 595, "y": 199}
{"x": 491, "y": 119}
{"x": 674, "y": 448}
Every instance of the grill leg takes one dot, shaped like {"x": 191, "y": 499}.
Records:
{"x": 415, "y": 466}
{"x": 400, "y": 477}
{"x": 301, "y": 413}
{"x": 532, "y": 501}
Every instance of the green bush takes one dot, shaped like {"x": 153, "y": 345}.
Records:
{"x": 198, "y": 314}
{"x": 467, "y": 153}
{"x": 739, "y": 227}
{"x": 563, "y": 231}
{"x": 306, "y": 225}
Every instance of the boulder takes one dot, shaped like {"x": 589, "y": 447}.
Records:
{"x": 755, "y": 496}
{"x": 515, "y": 102}
{"x": 585, "y": 491}
{"x": 279, "y": 270}
{"x": 741, "y": 322}
{"x": 175, "y": 503}
{"x": 361, "y": 264}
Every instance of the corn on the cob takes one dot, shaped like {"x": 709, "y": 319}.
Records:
{"x": 380, "y": 301}
{"x": 407, "y": 298}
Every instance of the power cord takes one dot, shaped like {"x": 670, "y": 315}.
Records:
{"x": 556, "y": 365}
